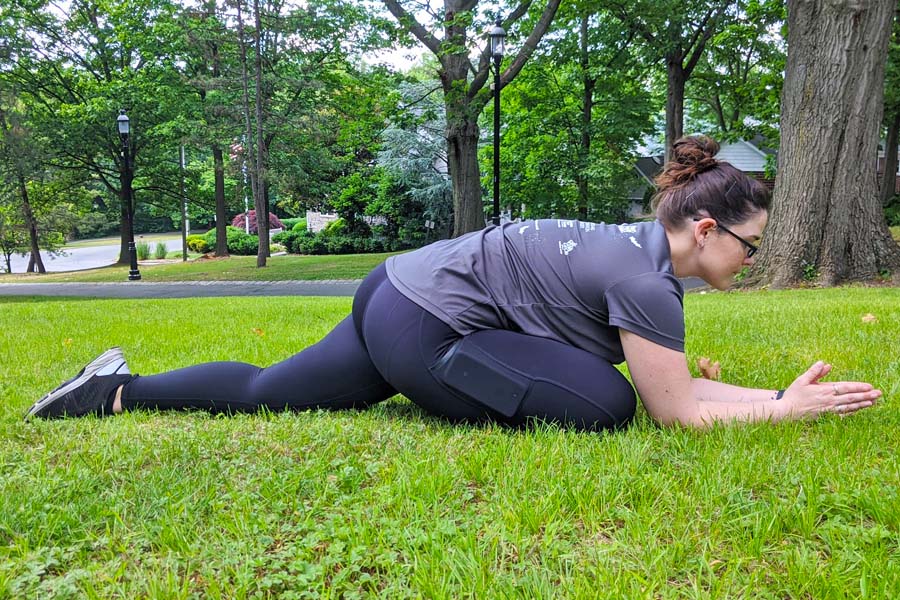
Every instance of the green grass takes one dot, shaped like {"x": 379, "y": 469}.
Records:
{"x": 392, "y": 503}
{"x": 235, "y": 268}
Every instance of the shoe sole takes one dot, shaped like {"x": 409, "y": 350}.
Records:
{"x": 98, "y": 364}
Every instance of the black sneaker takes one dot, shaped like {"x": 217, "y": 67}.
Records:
{"x": 88, "y": 392}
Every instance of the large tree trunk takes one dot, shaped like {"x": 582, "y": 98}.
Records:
{"x": 674, "y": 100}
{"x": 889, "y": 181}
{"x": 827, "y": 221}
{"x": 462, "y": 153}
{"x": 35, "y": 264}
{"x": 221, "y": 223}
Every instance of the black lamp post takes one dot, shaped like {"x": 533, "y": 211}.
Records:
{"x": 498, "y": 36}
{"x": 124, "y": 126}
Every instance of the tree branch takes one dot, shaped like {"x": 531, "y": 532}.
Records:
{"x": 478, "y": 94}
{"x": 407, "y": 20}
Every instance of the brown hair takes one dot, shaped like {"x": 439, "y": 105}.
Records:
{"x": 693, "y": 183}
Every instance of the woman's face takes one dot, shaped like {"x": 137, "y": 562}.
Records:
{"x": 722, "y": 255}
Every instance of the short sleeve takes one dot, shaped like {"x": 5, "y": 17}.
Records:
{"x": 651, "y": 306}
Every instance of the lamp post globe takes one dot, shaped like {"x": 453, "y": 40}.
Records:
{"x": 498, "y": 46}
{"x": 123, "y": 124}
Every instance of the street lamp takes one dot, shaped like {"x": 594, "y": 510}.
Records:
{"x": 497, "y": 35}
{"x": 124, "y": 126}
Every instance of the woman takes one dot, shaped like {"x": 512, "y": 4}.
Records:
{"x": 516, "y": 322}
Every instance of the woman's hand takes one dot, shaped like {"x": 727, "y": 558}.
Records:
{"x": 810, "y": 398}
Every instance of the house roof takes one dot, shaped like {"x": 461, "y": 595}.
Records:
{"x": 743, "y": 156}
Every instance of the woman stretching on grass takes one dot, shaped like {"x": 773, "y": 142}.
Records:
{"x": 515, "y": 322}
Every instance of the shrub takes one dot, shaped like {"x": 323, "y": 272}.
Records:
{"x": 292, "y": 240}
{"x": 291, "y": 222}
{"x": 91, "y": 225}
{"x": 197, "y": 243}
{"x": 238, "y": 242}
{"x": 300, "y": 225}
{"x": 337, "y": 227}
{"x": 238, "y": 221}
{"x": 143, "y": 250}
{"x": 892, "y": 212}
{"x": 160, "y": 251}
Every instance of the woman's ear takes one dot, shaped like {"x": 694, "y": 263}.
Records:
{"x": 702, "y": 227}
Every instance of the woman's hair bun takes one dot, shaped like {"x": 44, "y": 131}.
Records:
{"x": 691, "y": 156}
{"x": 696, "y": 151}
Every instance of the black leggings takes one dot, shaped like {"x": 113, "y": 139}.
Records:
{"x": 389, "y": 345}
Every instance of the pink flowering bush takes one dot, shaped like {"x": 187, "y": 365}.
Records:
{"x": 238, "y": 221}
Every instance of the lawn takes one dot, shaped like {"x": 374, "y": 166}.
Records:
{"x": 395, "y": 504}
{"x": 235, "y": 268}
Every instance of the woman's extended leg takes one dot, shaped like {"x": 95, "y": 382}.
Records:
{"x": 335, "y": 373}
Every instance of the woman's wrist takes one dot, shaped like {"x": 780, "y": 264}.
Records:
{"x": 777, "y": 395}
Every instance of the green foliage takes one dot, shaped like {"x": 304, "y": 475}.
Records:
{"x": 238, "y": 241}
{"x": 294, "y": 223}
{"x": 93, "y": 225}
{"x": 160, "y": 251}
{"x": 892, "y": 212}
{"x": 198, "y": 243}
{"x": 143, "y": 250}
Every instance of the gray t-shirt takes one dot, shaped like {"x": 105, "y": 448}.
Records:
{"x": 570, "y": 281}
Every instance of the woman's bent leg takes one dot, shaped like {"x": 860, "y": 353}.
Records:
{"x": 335, "y": 373}
{"x": 493, "y": 374}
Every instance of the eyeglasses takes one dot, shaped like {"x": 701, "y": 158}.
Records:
{"x": 751, "y": 248}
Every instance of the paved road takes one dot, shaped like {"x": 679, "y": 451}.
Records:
{"x": 200, "y": 289}
{"x": 78, "y": 259}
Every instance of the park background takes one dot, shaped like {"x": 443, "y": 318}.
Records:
{"x": 382, "y": 114}
{"x": 304, "y": 106}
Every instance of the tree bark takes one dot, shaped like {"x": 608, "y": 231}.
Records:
{"x": 674, "y": 101}
{"x": 35, "y": 264}
{"x": 587, "y": 109}
{"x": 221, "y": 223}
{"x": 259, "y": 197}
{"x": 889, "y": 181}
{"x": 826, "y": 222}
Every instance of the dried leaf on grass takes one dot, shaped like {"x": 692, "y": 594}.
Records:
{"x": 869, "y": 318}
{"x": 709, "y": 369}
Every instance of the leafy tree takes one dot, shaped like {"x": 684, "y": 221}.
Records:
{"x": 735, "y": 89}
{"x": 415, "y": 187}
{"x": 463, "y": 83}
{"x": 87, "y": 60}
{"x": 572, "y": 119}
{"x": 827, "y": 218}
{"x": 677, "y": 34}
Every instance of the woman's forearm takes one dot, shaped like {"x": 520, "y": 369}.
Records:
{"x": 706, "y": 389}
{"x": 714, "y": 401}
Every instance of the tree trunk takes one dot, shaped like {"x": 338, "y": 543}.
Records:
{"x": 587, "y": 110}
{"x": 125, "y": 228}
{"x": 221, "y": 223}
{"x": 827, "y": 223}
{"x": 889, "y": 182}
{"x": 259, "y": 198}
{"x": 462, "y": 149}
{"x": 674, "y": 100}
{"x": 35, "y": 264}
